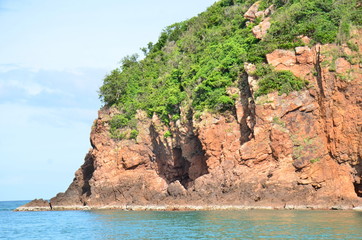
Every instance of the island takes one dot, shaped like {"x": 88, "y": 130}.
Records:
{"x": 251, "y": 104}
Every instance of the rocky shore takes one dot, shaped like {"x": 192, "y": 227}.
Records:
{"x": 187, "y": 207}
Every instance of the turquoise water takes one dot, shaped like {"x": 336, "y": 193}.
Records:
{"x": 248, "y": 224}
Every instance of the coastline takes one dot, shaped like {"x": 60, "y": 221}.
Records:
{"x": 186, "y": 208}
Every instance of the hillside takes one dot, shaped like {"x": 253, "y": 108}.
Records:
{"x": 251, "y": 103}
{"x": 194, "y": 62}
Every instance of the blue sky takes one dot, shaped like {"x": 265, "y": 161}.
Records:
{"x": 53, "y": 57}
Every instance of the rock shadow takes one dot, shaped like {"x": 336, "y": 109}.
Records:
{"x": 183, "y": 163}
{"x": 358, "y": 178}
{"x": 248, "y": 120}
{"x": 87, "y": 173}
{"x": 171, "y": 164}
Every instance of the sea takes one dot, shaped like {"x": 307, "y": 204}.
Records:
{"x": 240, "y": 224}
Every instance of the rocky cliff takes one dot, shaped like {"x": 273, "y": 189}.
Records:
{"x": 284, "y": 151}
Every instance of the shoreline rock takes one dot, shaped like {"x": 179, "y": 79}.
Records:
{"x": 190, "y": 208}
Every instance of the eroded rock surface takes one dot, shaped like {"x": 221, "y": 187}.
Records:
{"x": 36, "y": 205}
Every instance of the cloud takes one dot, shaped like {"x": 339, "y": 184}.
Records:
{"x": 8, "y": 67}
{"x": 33, "y": 98}
{"x": 68, "y": 88}
{"x": 31, "y": 88}
{"x": 21, "y": 115}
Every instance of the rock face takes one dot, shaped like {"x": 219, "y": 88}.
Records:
{"x": 36, "y": 205}
{"x": 261, "y": 29}
{"x": 300, "y": 149}
{"x": 254, "y": 13}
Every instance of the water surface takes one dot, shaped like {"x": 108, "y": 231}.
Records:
{"x": 241, "y": 224}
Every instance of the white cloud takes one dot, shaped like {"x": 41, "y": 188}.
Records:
{"x": 8, "y": 67}
{"x": 31, "y": 88}
{"x": 68, "y": 88}
{"x": 22, "y": 115}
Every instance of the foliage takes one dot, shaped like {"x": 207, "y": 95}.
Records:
{"x": 133, "y": 134}
{"x": 116, "y": 134}
{"x": 352, "y": 46}
{"x": 314, "y": 160}
{"x": 324, "y": 21}
{"x": 281, "y": 81}
{"x": 195, "y": 61}
{"x": 119, "y": 121}
{"x": 278, "y": 121}
{"x": 303, "y": 146}
{"x": 167, "y": 134}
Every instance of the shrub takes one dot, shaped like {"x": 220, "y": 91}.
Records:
{"x": 133, "y": 134}
{"x": 314, "y": 160}
{"x": 119, "y": 121}
{"x": 352, "y": 46}
{"x": 281, "y": 81}
{"x": 116, "y": 134}
{"x": 167, "y": 134}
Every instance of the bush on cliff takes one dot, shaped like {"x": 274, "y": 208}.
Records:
{"x": 195, "y": 61}
{"x": 281, "y": 81}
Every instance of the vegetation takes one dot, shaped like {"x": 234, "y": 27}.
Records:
{"x": 195, "y": 61}
{"x": 281, "y": 81}
{"x": 167, "y": 134}
{"x": 133, "y": 134}
{"x": 302, "y": 146}
{"x": 324, "y": 21}
{"x": 314, "y": 160}
{"x": 278, "y": 121}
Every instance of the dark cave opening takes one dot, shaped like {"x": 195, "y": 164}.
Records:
{"x": 87, "y": 171}
{"x": 181, "y": 167}
{"x": 176, "y": 163}
{"x": 358, "y": 189}
{"x": 358, "y": 178}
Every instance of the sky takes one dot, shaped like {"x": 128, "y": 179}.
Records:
{"x": 53, "y": 58}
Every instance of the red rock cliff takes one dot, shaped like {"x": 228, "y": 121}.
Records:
{"x": 300, "y": 149}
